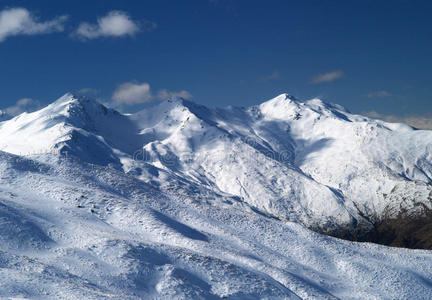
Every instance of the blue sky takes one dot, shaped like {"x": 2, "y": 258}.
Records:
{"x": 365, "y": 55}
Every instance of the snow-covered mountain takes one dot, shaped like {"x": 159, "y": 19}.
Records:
{"x": 184, "y": 201}
{"x": 309, "y": 162}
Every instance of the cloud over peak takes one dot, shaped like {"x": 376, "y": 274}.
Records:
{"x": 19, "y": 21}
{"x": 416, "y": 121}
{"x": 22, "y": 105}
{"x": 131, "y": 93}
{"x": 327, "y": 77}
{"x": 114, "y": 24}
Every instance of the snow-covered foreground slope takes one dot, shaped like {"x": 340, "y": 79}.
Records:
{"x": 71, "y": 230}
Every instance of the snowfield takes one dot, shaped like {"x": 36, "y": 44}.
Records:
{"x": 180, "y": 201}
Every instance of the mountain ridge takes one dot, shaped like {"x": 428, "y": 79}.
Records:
{"x": 303, "y": 161}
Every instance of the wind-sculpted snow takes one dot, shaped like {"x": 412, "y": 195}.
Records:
{"x": 181, "y": 201}
{"x": 17, "y": 231}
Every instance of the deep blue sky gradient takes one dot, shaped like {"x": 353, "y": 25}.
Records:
{"x": 221, "y": 50}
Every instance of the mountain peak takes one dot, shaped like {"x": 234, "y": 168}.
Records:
{"x": 73, "y": 106}
{"x": 71, "y": 119}
{"x": 69, "y": 99}
{"x": 285, "y": 96}
{"x": 280, "y": 107}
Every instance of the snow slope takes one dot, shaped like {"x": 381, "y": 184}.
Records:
{"x": 180, "y": 201}
{"x": 72, "y": 230}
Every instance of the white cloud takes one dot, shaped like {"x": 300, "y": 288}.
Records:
{"x": 379, "y": 94}
{"x": 421, "y": 122}
{"x": 274, "y": 75}
{"x": 114, "y": 24}
{"x": 327, "y": 77}
{"x": 130, "y": 93}
{"x": 22, "y": 105}
{"x": 19, "y": 21}
{"x": 165, "y": 94}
